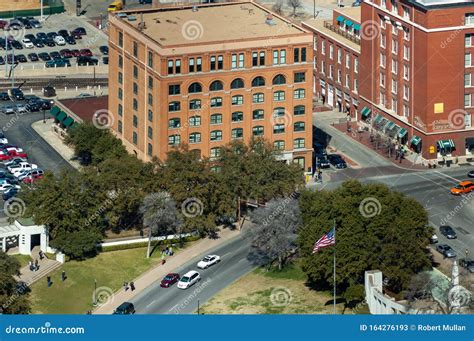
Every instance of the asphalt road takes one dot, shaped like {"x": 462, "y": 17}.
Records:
{"x": 234, "y": 264}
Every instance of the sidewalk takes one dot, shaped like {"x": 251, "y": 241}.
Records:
{"x": 158, "y": 272}
{"x": 45, "y": 131}
{"x": 46, "y": 266}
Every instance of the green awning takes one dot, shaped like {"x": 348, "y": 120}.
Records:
{"x": 446, "y": 144}
{"x": 365, "y": 112}
{"x": 349, "y": 23}
{"x": 415, "y": 140}
{"x": 390, "y": 125}
{"x": 55, "y": 111}
{"x": 402, "y": 133}
{"x": 68, "y": 121}
{"x": 61, "y": 116}
{"x": 340, "y": 18}
{"x": 357, "y": 27}
{"x": 378, "y": 119}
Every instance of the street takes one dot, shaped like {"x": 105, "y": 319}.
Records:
{"x": 234, "y": 264}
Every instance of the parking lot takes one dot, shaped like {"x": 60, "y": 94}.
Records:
{"x": 93, "y": 39}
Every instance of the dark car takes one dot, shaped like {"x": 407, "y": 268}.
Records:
{"x": 49, "y": 42}
{"x": 105, "y": 60}
{"x": 337, "y": 161}
{"x": 169, "y": 280}
{"x": 86, "y": 53}
{"x": 34, "y": 105}
{"x": 49, "y": 91}
{"x": 70, "y": 40}
{"x": 104, "y": 50}
{"x": 33, "y": 57}
{"x": 30, "y": 36}
{"x": 84, "y": 61}
{"x": 37, "y": 42}
{"x": 448, "y": 232}
{"x": 17, "y": 45}
{"x": 44, "y": 56}
{"x": 10, "y": 193}
{"x": 446, "y": 250}
{"x": 55, "y": 55}
{"x": 63, "y": 33}
{"x": 58, "y": 62}
{"x": 3, "y": 24}
{"x": 51, "y": 35}
{"x": 471, "y": 174}
{"x": 4, "y": 96}
{"x": 80, "y": 30}
{"x": 319, "y": 148}
{"x": 321, "y": 161}
{"x": 45, "y": 105}
{"x": 22, "y": 58}
{"x": 2, "y": 61}
{"x": 17, "y": 94}
{"x": 126, "y": 308}
{"x": 41, "y": 35}
{"x": 468, "y": 264}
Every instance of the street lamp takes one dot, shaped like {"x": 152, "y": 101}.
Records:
{"x": 94, "y": 295}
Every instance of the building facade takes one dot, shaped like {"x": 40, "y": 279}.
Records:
{"x": 206, "y": 75}
{"x": 414, "y": 77}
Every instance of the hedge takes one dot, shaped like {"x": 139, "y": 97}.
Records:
{"x": 164, "y": 242}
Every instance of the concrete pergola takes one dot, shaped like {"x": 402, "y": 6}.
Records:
{"x": 20, "y": 235}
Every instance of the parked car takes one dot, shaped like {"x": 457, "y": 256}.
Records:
{"x": 33, "y": 57}
{"x": 321, "y": 161}
{"x": 447, "y": 231}
{"x": 126, "y": 308}
{"x": 10, "y": 193}
{"x": 190, "y": 278}
{"x": 55, "y": 55}
{"x": 6, "y": 155}
{"x": 80, "y": 30}
{"x": 169, "y": 280}
{"x": 7, "y": 186}
{"x": 51, "y": 35}
{"x": 467, "y": 264}
{"x": 49, "y": 91}
{"x": 104, "y": 49}
{"x": 208, "y": 261}
{"x": 76, "y": 53}
{"x": 433, "y": 239}
{"x": 446, "y": 250}
{"x": 337, "y": 161}
{"x": 65, "y": 53}
{"x": 35, "y": 23}
{"x": 45, "y": 104}
{"x": 22, "y": 58}
{"x": 20, "y": 166}
{"x": 3, "y": 139}
{"x": 16, "y": 94}
{"x": 63, "y": 33}
{"x": 36, "y": 173}
{"x": 34, "y": 105}
{"x": 58, "y": 63}
{"x": 463, "y": 187}
{"x": 70, "y": 40}
{"x": 41, "y": 35}
{"x": 86, "y": 52}
{"x": 49, "y": 42}
{"x": 4, "y": 96}
{"x": 8, "y": 109}
{"x": 105, "y": 60}
{"x": 471, "y": 174}
{"x": 85, "y": 61}
{"x": 11, "y": 162}
{"x": 27, "y": 43}
{"x": 44, "y": 56}
{"x": 21, "y": 108}
{"x": 38, "y": 43}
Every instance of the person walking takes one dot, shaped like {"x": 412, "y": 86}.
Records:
{"x": 125, "y": 286}
{"x": 171, "y": 250}
{"x": 30, "y": 265}
{"x": 132, "y": 286}
{"x": 63, "y": 276}
{"x": 41, "y": 255}
{"x": 36, "y": 264}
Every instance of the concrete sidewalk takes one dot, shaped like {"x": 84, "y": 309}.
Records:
{"x": 158, "y": 272}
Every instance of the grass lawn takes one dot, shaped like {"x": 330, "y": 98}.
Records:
{"x": 272, "y": 292}
{"x": 22, "y": 259}
{"x": 75, "y": 295}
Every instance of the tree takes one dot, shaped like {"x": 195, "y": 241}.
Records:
{"x": 78, "y": 245}
{"x": 376, "y": 228}
{"x": 295, "y": 4}
{"x": 13, "y": 295}
{"x": 273, "y": 238}
{"x": 278, "y": 7}
{"x": 159, "y": 215}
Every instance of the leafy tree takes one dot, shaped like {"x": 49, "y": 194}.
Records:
{"x": 78, "y": 244}
{"x": 295, "y": 4}
{"x": 278, "y": 7}
{"x": 273, "y": 238}
{"x": 376, "y": 229}
{"x": 13, "y": 295}
{"x": 159, "y": 215}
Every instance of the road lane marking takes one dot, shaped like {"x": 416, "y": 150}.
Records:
{"x": 447, "y": 176}
{"x": 438, "y": 184}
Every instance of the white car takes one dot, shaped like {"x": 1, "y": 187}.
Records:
{"x": 59, "y": 40}
{"x": 5, "y": 187}
{"x": 189, "y": 278}
{"x": 3, "y": 139}
{"x": 21, "y": 166}
{"x": 27, "y": 43}
{"x": 208, "y": 261}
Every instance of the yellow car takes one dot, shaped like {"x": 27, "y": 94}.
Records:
{"x": 115, "y": 6}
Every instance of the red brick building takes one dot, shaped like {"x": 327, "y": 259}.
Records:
{"x": 415, "y": 74}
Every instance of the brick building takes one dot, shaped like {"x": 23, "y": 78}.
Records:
{"x": 414, "y": 74}
{"x": 205, "y": 75}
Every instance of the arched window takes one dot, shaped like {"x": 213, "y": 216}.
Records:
{"x": 279, "y": 79}
{"x": 216, "y": 86}
{"x": 298, "y": 110}
{"x": 258, "y": 81}
{"x": 194, "y": 87}
{"x": 216, "y": 135}
{"x": 237, "y": 83}
{"x": 299, "y": 126}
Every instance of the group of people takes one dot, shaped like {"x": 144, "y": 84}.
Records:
{"x": 399, "y": 153}
{"x": 127, "y": 286}
{"x": 318, "y": 175}
{"x": 34, "y": 266}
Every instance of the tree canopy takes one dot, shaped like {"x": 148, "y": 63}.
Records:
{"x": 376, "y": 228}
{"x": 13, "y": 295}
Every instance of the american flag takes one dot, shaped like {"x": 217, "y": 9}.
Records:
{"x": 327, "y": 240}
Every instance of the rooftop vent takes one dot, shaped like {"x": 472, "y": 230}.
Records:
{"x": 270, "y": 20}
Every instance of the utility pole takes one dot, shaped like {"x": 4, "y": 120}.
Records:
{"x": 94, "y": 296}
{"x": 41, "y": 15}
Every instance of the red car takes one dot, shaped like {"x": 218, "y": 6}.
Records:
{"x": 86, "y": 53}
{"x": 169, "y": 280}
{"x": 9, "y": 154}
{"x": 76, "y": 53}
{"x": 30, "y": 179}
{"x": 66, "y": 53}
{"x": 3, "y": 24}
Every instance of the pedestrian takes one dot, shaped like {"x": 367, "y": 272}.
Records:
{"x": 63, "y": 276}
{"x": 163, "y": 260}
{"x": 167, "y": 251}
{"x": 36, "y": 264}
{"x": 125, "y": 286}
{"x": 132, "y": 286}
{"x": 30, "y": 265}
{"x": 401, "y": 157}
{"x": 171, "y": 250}
{"x": 48, "y": 279}
{"x": 41, "y": 255}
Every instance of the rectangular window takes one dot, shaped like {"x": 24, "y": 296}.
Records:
{"x": 195, "y": 121}
{"x": 191, "y": 65}
{"x": 150, "y": 132}
{"x": 469, "y": 19}
{"x": 120, "y": 126}
{"x": 120, "y": 110}
{"x": 331, "y": 51}
{"x": 120, "y": 39}
{"x": 237, "y": 100}
{"x": 275, "y": 57}
{"x": 174, "y": 123}
{"x": 279, "y": 96}
{"x": 198, "y": 64}
{"x": 254, "y": 58}
{"x": 213, "y": 64}
{"x": 216, "y": 135}
{"x": 406, "y": 52}
{"x": 220, "y": 62}
{"x": 467, "y": 80}
{"x": 300, "y": 77}
{"x": 241, "y": 60}
{"x": 150, "y": 115}
{"x": 120, "y": 93}
{"x": 257, "y": 114}
{"x": 170, "y": 67}
{"x": 135, "y": 138}
{"x": 135, "y": 104}
{"x": 234, "y": 61}
{"x": 120, "y": 78}
{"x": 282, "y": 56}
{"x": 177, "y": 66}
{"x": 135, "y": 88}
{"x": 299, "y": 93}
{"x": 150, "y": 59}
{"x": 348, "y": 61}
{"x": 258, "y": 98}
{"x": 216, "y": 102}
{"x": 237, "y": 116}
{"x": 135, "y": 71}
{"x": 174, "y": 89}
{"x": 150, "y": 99}
{"x": 150, "y": 82}
{"x": 195, "y": 138}
{"x": 216, "y": 119}
{"x": 120, "y": 61}
{"x": 303, "y": 54}
{"x": 467, "y": 100}
{"x": 262, "y": 58}
{"x": 467, "y": 60}
{"x": 135, "y": 49}
{"x": 296, "y": 55}
{"x": 135, "y": 121}
{"x": 150, "y": 149}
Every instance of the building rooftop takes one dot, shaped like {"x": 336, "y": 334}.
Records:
{"x": 442, "y": 3}
{"x": 210, "y": 23}
{"x": 84, "y": 108}
{"x": 318, "y": 25}
{"x": 350, "y": 12}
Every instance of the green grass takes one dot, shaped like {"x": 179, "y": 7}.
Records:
{"x": 292, "y": 271}
{"x": 75, "y": 295}
{"x": 22, "y": 259}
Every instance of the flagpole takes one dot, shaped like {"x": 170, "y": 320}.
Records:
{"x": 334, "y": 266}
